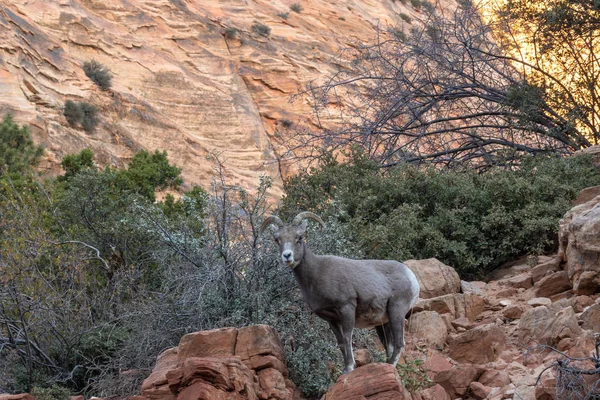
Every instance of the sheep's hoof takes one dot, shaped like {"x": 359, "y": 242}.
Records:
{"x": 347, "y": 369}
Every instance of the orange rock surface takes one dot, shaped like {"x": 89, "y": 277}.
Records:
{"x": 180, "y": 82}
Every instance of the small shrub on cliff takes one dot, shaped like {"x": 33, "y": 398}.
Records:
{"x": 296, "y": 7}
{"x": 261, "y": 29}
{"x": 98, "y": 73}
{"x": 283, "y": 15}
{"x": 81, "y": 113}
{"x": 231, "y": 33}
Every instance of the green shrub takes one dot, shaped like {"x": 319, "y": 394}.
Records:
{"x": 72, "y": 113}
{"x": 406, "y": 17}
{"x": 261, "y": 29}
{"x": 17, "y": 151}
{"x": 54, "y": 392}
{"x": 428, "y": 6}
{"x": 89, "y": 119}
{"x": 283, "y": 15}
{"x": 81, "y": 113}
{"x": 399, "y": 34}
{"x": 231, "y": 33}
{"x": 296, "y": 7}
{"x": 98, "y": 73}
{"x": 473, "y": 222}
{"x": 416, "y": 3}
{"x": 286, "y": 123}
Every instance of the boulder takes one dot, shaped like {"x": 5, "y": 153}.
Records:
{"x": 479, "y": 391}
{"x": 156, "y": 385}
{"x": 541, "y": 326}
{"x": 456, "y": 381}
{"x": 457, "y": 305}
{"x": 513, "y": 312}
{"x": 472, "y": 287}
{"x": 579, "y": 246}
{"x": 228, "y": 364}
{"x": 215, "y": 342}
{"x": 435, "y": 278}
{"x": 494, "y": 378}
{"x": 373, "y": 381}
{"x": 539, "y": 301}
{"x": 546, "y": 268}
{"x": 436, "y": 392}
{"x": 428, "y": 327}
{"x": 479, "y": 345}
{"x": 586, "y": 195}
{"x": 522, "y": 280}
{"x": 553, "y": 284}
{"x": 591, "y": 318}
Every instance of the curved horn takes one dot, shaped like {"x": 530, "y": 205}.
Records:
{"x": 273, "y": 219}
{"x": 307, "y": 215}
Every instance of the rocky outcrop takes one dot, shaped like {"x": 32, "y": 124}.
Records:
{"x": 579, "y": 237}
{"x": 228, "y": 363}
{"x": 190, "y": 77}
{"x": 435, "y": 278}
{"x": 373, "y": 382}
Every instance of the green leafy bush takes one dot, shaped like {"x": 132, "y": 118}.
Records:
{"x": 296, "y": 7}
{"x": 283, "y": 15}
{"x": 17, "y": 151}
{"x": 98, "y": 73}
{"x": 473, "y": 222}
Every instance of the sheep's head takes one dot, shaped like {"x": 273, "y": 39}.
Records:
{"x": 290, "y": 238}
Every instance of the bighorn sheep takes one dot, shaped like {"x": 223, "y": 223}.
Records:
{"x": 348, "y": 293}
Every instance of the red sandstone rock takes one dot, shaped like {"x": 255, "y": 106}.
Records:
{"x": 591, "y": 318}
{"x": 428, "y": 327}
{"x": 480, "y": 345}
{"x": 543, "y": 269}
{"x": 522, "y": 280}
{"x": 541, "y": 326}
{"x": 436, "y": 392}
{"x": 216, "y": 342}
{"x": 435, "y": 278}
{"x": 479, "y": 391}
{"x": 494, "y": 378}
{"x": 373, "y": 381}
{"x": 457, "y": 380}
{"x": 456, "y": 305}
{"x": 579, "y": 245}
{"x": 362, "y": 357}
{"x": 553, "y": 284}
{"x": 436, "y": 363}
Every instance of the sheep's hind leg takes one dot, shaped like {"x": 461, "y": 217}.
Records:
{"x": 396, "y": 313}
{"x": 387, "y": 339}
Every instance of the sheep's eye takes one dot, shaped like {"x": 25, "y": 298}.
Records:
{"x": 300, "y": 239}
{"x": 276, "y": 240}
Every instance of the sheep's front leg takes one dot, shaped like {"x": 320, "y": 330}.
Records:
{"x": 347, "y": 314}
{"x": 339, "y": 336}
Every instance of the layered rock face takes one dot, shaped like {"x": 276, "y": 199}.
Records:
{"x": 229, "y": 363}
{"x": 189, "y": 76}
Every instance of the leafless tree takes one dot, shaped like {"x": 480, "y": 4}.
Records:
{"x": 447, "y": 93}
